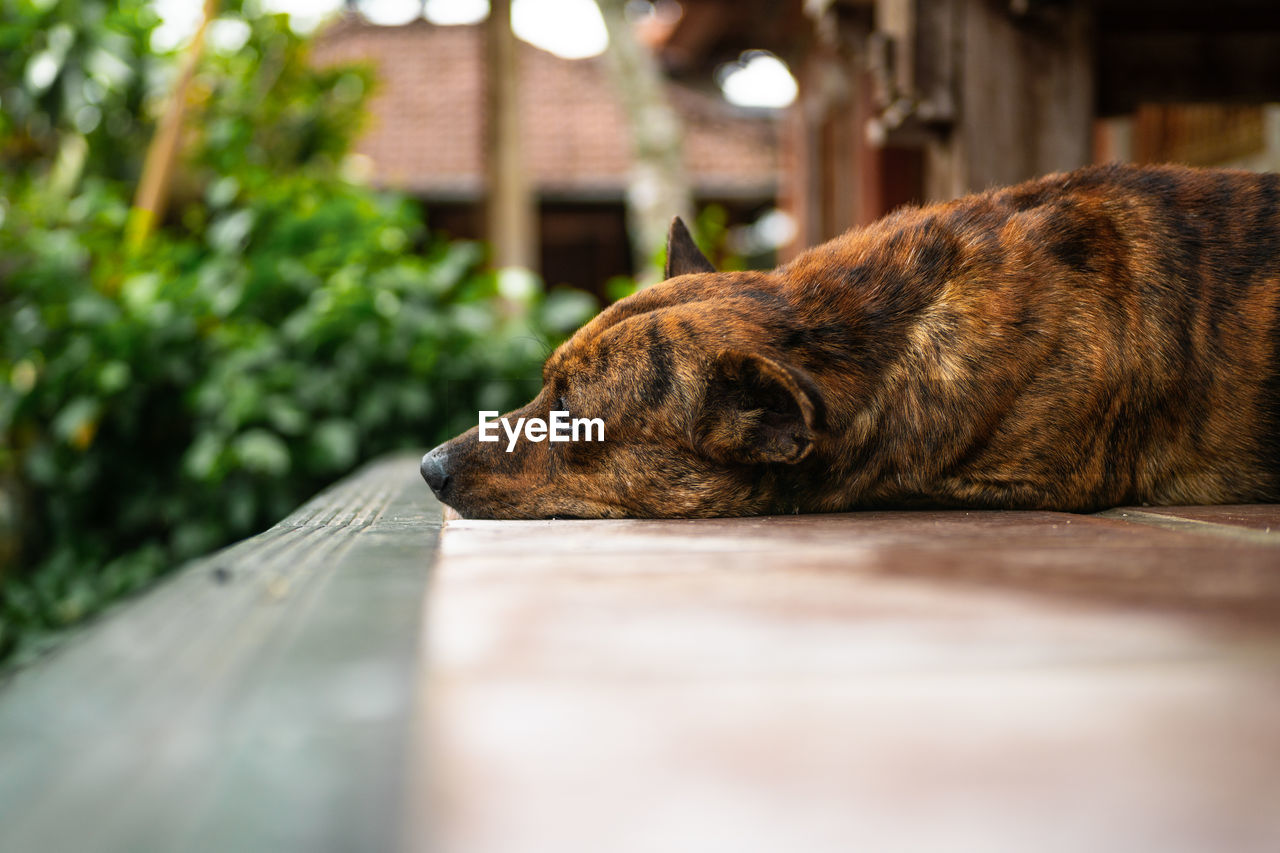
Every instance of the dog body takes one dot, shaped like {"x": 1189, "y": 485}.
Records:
{"x": 1104, "y": 337}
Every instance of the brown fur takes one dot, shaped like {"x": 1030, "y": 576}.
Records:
{"x": 1109, "y": 336}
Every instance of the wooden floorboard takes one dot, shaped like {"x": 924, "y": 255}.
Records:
{"x": 885, "y": 681}
{"x": 260, "y": 699}
{"x": 872, "y": 681}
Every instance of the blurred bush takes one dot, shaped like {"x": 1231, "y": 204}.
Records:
{"x": 285, "y": 324}
{"x": 74, "y": 76}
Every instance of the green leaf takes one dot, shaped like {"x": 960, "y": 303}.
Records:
{"x": 334, "y": 444}
{"x": 200, "y": 462}
{"x": 77, "y": 422}
{"x": 262, "y": 452}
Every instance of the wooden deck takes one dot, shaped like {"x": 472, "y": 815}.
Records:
{"x": 876, "y": 681}
{"x": 262, "y": 699}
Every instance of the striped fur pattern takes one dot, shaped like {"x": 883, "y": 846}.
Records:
{"x": 1104, "y": 337}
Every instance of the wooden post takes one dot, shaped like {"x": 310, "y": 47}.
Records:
{"x": 824, "y": 147}
{"x": 1025, "y": 96}
{"x": 1113, "y": 140}
{"x": 511, "y": 206}
{"x": 157, "y": 169}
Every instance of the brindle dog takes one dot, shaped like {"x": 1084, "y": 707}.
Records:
{"x": 1108, "y": 336}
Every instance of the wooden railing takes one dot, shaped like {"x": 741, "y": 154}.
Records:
{"x": 260, "y": 699}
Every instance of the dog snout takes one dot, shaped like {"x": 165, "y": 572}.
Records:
{"x": 435, "y": 470}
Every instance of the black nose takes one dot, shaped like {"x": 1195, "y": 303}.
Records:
{"x": 434, "y": 470}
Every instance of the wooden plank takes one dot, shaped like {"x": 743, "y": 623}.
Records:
{"x": 1258, "y": 523}
{"x": 1263, "y": 517}
{"x": 878, "y": 681}
{"x": 259, "y": 699}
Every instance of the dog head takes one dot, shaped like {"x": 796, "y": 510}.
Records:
{"x": 701, "y": 413}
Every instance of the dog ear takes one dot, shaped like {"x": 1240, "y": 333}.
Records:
{"x": 683, "y": 255}
{"x": 757, "y": 410}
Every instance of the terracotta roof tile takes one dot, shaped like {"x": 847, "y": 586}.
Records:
{"x": 426, "y": 128}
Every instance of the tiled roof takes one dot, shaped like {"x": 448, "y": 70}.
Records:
{"x": 426, "y": 132}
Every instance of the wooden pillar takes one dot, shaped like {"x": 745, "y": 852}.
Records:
{"x": 835, "y": 176}
{"x": 511, "y": 207}
{"x": 808, "y": 186}
{"x": 1113, "y": 139}
{"x": 825, "y": 151}
{"x": 1025, "y": 88}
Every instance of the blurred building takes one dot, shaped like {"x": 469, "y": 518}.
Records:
{"x": 427, "y": 137}
{"x": 899, "y": 101}
{"x": 922, "y": 100}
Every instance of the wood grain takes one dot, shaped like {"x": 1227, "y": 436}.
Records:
{"x": 864, "y": 681}
{"x": 259, "y": 699}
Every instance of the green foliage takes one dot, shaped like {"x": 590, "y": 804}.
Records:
{"x": 285, "y": 325}
{"x": 75, "y": 72}
{"x": 710, "y": 232}
{"x": 264, "y": 108}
